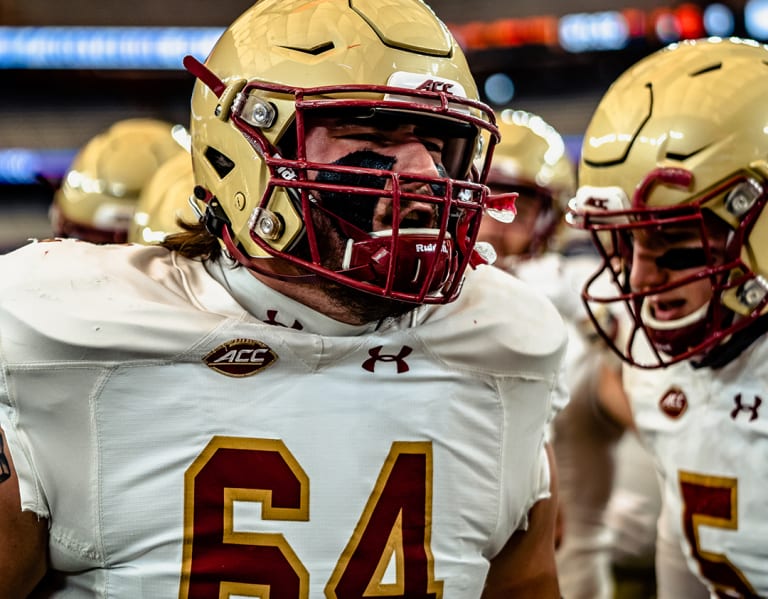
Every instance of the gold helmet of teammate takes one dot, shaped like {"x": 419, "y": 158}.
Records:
{"x": 98, "y": 194}
{"x": 531, "y": 160}
{"x": 164, "y": 201}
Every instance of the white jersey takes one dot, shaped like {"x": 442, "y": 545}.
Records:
{"x": 192, "y": 433}
{"x": 708, "y": 431}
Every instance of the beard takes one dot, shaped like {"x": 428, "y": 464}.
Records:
{"x": 365, "y": 307}
{"x": 361, "y": 306}
{"x": 359, "y": 211}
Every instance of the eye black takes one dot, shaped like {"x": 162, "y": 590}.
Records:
{"x": 682, "y": 258}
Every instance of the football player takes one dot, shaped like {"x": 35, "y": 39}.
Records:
{"x": 532, "y": 161}
{"x": 673, "y": 188}
{"x": 311, "y": 393}
{"x": 99, "y": 191}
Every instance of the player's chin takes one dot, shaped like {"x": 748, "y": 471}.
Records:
{"x": 362, "y": 306}
{"x": 366, "y": 307}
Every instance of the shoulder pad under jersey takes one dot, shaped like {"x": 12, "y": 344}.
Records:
{"x": 105, "y": 299}
{"x": 498, "y": 325}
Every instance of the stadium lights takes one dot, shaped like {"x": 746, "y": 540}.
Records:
{"x": 21, "y": 166}
{"x": 164, "y": 47}
{"x": 103, "y": 47}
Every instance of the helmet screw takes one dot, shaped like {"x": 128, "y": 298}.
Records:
{"x": 753, "y": 292}
{"x": 263, "y": 114}
{"x": 740, "y": 205}
{"x": 239, "y": 201}
{"x": 217, "y": 111}
{"x": 266, "y": 224}
{"x": 742, "y": 197}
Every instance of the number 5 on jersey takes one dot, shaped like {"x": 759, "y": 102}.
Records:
{"x": 713, "y": 501}
{"x": 218, "y": 561}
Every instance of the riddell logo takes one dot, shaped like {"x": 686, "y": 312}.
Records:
{"x": 429, "y": 248}
{"x": 240, "y": 357}
{"x": 674, "y": 403}
{"x": 431, "y": 85}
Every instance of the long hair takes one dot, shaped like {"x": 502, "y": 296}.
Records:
{"x": 193, "y": 241}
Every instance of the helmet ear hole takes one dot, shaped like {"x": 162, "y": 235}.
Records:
{"x": 220, "y": 163}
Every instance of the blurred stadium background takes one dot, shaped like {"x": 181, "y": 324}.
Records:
{"x": 70, "y": 69}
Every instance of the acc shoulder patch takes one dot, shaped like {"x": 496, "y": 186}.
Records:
{"x": 674, "y": 403}
{"x": 240, "y": 357}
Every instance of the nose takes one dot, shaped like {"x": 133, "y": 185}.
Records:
{"x": 412, "y": 156}
{"x": 645, "y": 273}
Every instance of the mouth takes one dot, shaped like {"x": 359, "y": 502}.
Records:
{"x": 668, "y": 308}
{"x": 413, "y": 216}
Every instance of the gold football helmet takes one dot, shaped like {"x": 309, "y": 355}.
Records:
{"x": 531, "y": 159}
{"x": 380, "y": 61}
{"x": 98, "y": 194}
{"x": 682, "y": 138}
{"x": 165, "y": 200}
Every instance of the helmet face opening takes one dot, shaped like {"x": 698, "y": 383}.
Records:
{"x": 456, "y": 138}
{"x": 531, "y": 232}
{"x": 365, "y": 220}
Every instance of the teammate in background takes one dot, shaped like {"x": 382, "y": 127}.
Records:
{"x": 532, "y": 161}
{"x": 673, "y": 189}
{"x": 537, "y": 247}
{"x": 98, "y": 194}
{"x": 165, "y": 200}
{"x": 312, "y": 393}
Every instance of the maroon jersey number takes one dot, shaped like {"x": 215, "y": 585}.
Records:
{"x": 712, "y": 501}
{"x": 395, "y": 526}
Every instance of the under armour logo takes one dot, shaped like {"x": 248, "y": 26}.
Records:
{"x": 740, "y": 407}
{"x": 377, "y": 356}
{"x": 272, "y": 319}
